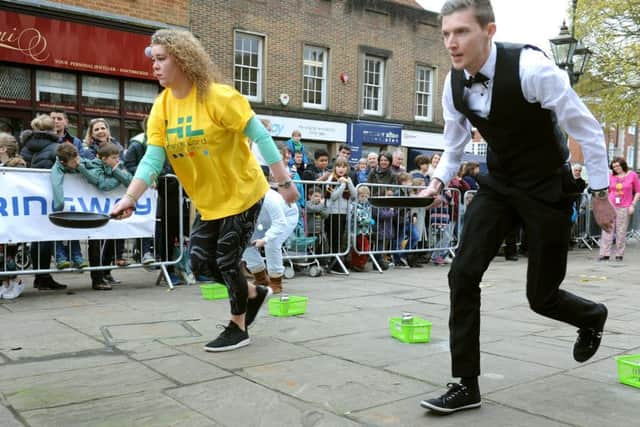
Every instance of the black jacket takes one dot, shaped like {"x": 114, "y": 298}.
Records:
{"x": 39, "y": 148}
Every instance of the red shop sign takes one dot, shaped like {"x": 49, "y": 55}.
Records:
{"x": 62, "y": 44}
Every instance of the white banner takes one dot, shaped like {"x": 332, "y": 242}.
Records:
{"x": 26, "y": 199}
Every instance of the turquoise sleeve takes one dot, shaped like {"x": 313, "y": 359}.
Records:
{"x": 258, "y": 134}
{"x": 151, "y": 164}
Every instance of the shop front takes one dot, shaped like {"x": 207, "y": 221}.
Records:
{"x": 315, "y": 133}
{"x": 366, "y": 137}
{"x": 86, "y": 70}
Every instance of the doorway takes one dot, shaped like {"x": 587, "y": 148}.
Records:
{"x": 14, "y": 122}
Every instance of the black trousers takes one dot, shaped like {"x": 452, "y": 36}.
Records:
{"x": 216, "y": 248}
{"x": 487, "y": 221}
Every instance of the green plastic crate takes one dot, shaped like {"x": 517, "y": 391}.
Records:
{"x": 214, "y": 291}
{"x": 293, "y": 307}
{"x": 629, "y": 370}
{"x": 419, "y": 330}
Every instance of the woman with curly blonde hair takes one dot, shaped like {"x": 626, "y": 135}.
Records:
{"x": 202, "y": 128}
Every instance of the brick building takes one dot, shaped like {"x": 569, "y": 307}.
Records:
{"x": 84, "y": 57}
{"x": 366, "y": 72}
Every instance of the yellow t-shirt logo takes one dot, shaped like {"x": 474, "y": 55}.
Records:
{"x": 181, "y": 131}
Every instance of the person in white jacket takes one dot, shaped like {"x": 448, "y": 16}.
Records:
{"x": 276, "y": 222}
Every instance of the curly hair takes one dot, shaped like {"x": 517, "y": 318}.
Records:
{"x": 190, "y": 56}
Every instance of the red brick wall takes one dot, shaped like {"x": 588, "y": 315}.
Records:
{"x": 175, "y": 12}
{"x": 289, "y": 24}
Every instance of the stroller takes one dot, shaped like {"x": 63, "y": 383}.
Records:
{"x": 300, "y": 247}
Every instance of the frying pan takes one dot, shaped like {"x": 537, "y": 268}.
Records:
{"x": 400, "y": 202}
{"x": 70, "y": 219}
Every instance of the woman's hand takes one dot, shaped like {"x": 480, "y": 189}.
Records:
{"x": 631, "y": 209}
{"x": 123, "y": 209}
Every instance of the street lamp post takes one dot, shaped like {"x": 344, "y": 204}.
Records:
{"x": 568, "y": 53}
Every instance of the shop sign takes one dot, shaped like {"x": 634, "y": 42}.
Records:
{"x": 316, "y": 130}
{"x": 422, "y": 140}
{"x": 54, "y": 43}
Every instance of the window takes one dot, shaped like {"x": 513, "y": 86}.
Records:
{"x": 139, "y": 97}
{"x": 479, "y": 148}
{"x": 56, "y": 88}
{"x": 15, "y": 83}
{"x": 612, "y": 150}
{"x": 314, "y": 72}
{"x": 630, "y": 156}
{"x": 247, "y": 68}
{"x": 100, "y": 94}
{"x": 372, "y": 95}
{"x": 424, "y": 93}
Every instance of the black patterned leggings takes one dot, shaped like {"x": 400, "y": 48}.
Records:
{"x": 216, "y": 249}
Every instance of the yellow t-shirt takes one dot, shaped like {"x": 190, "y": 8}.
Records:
{"x": 208, "y": 150}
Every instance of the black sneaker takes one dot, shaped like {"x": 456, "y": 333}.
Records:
{"x": 457, "y": 398}
{"x": 111, "y": 280}
{"x": 253, "y": 305}
{"x": 589, "y": 338}
{"x": 47, "y": 284}
{"x": 231, "y": 338}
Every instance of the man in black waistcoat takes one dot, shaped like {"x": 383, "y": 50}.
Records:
{"x": 517, "y": 98}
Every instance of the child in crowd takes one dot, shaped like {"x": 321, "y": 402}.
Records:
{"x": 407, "y": 237}
{"x": 10, "y": 285}
{"x": 298, "y": 162}
{"x": 363, "y": 229}
{"x": 318, "y": 171}
{"x": 294, "y": 144}
{"x": 67, "y": 161}
{"x": 362, "y": 173}
{"x": 8, "y": 148}
{"x": 317, "y": 213}
{"x": 340, "y": 194}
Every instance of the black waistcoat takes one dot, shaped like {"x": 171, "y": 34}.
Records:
{"x": 525, "y": 145}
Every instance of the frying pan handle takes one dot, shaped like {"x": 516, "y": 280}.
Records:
{"x": 112, "y": 216}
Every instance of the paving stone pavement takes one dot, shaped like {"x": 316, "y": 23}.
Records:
{"x": 133, "y": 356}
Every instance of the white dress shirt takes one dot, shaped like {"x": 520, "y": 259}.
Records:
{"x": 541, "y": 81}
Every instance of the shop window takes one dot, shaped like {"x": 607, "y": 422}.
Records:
{"x": 247, "y": 67}
{"x": 56, "y": 88}
{"x": 15, "y": 83}
{"x": 312, "y": 147}
{"x": 132, "y": 128}
{"x": 314, "y": 77}
{"x": 139, "y": 97}
{"x": 373, "y": 86}
{"x": 100, "y": 94}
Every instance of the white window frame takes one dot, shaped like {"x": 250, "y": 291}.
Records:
{"x": 323, "y": 77}
{"x": 424, "y": 89}
{"x": 259, "y": 38}
{"x": 366, "y": 85}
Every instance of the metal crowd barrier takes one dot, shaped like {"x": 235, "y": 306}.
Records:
{"x": 167, "y": 247}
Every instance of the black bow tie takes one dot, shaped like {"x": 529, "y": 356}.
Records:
{"x": 478, "y": 78}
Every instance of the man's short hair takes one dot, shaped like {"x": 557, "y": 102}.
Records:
{"x": 344, "y": 147}
{"x": 320, "y": 152}
{"x": 8, "y": 141}
{"x": 42, "y": 122}
{"x": 483, "y": 11}
{"x": 66, "y": 152}
{"x": 59, "y": 111}
{"x": 108, "y": 149}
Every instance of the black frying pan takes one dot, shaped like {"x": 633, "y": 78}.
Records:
{"x": 400, "y": 202}
{"x": 69, "y": 219}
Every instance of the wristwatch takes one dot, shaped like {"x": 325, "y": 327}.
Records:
{"x": 600, "y": 194}
{"x": 285, "y": 184}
